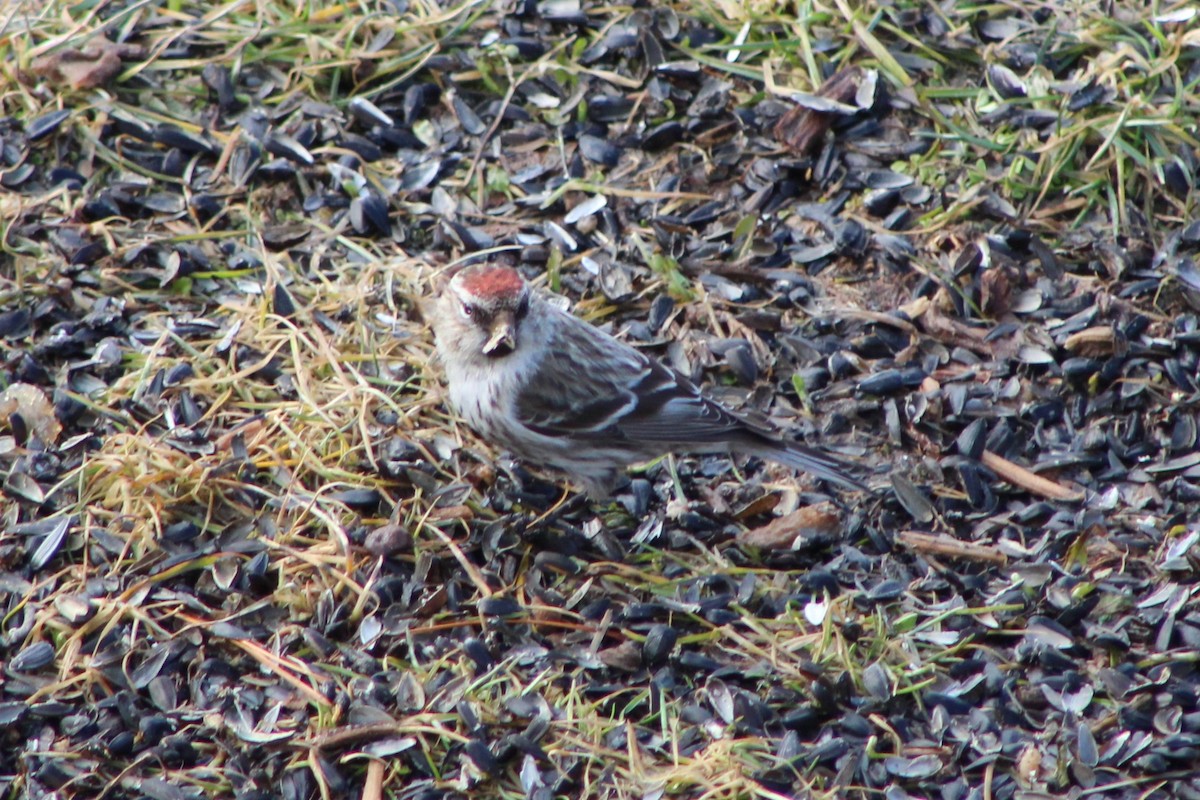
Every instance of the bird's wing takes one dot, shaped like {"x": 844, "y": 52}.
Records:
{"x": 671, "y": 409}
{"x": 592, "y": 387}
{"x": 592, "y": 390}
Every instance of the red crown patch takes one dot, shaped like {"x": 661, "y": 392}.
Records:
{"x": 492, "y": 282}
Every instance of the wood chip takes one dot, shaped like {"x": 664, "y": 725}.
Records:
{"x": 801, "y": 128}
{"x": 1099, "y": 340}
{"x": 938, "y": 544}
{"x": 451, "y": 512}
{"x": 1019, "y": 476}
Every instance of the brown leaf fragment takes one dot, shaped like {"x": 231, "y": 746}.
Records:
{"x": 1019, "y": 476}
{"x": 760, "y": 505}
{"x": 626, "y": 656}
{"x": 801, "y": 128}
{"x": 786, "y": 532}
{"x": 995, "y": 292}
{"x": 937, "y": 544}
{"x": 88, "y": 68}
{"x": 936, "y": 322}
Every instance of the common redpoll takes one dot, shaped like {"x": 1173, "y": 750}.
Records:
{"x": 560, "y": 393}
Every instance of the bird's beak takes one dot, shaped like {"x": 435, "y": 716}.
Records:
{"x": 504, "y": 335}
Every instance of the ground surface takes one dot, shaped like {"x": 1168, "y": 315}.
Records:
{"x": 247, "y": 552}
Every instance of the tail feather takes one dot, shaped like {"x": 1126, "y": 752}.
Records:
{"x": 820, "y": 464}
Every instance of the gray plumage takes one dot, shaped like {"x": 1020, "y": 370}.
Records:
{"x": 559, "y": 392}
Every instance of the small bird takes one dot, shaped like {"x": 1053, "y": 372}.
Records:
{"x": 560, "y": 393}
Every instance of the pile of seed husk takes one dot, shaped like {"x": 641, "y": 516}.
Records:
{"x": 248, "y": 552}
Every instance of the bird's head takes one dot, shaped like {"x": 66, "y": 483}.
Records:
{"x": 489, "y": 303}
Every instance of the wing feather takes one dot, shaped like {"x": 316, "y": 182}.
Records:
{"x": 594, "y": 388}
{"x": 591, "y": 390}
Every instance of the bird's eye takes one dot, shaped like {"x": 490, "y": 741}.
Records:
{"x": 468, "y": 310}
{"x": 522, "y": 308}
